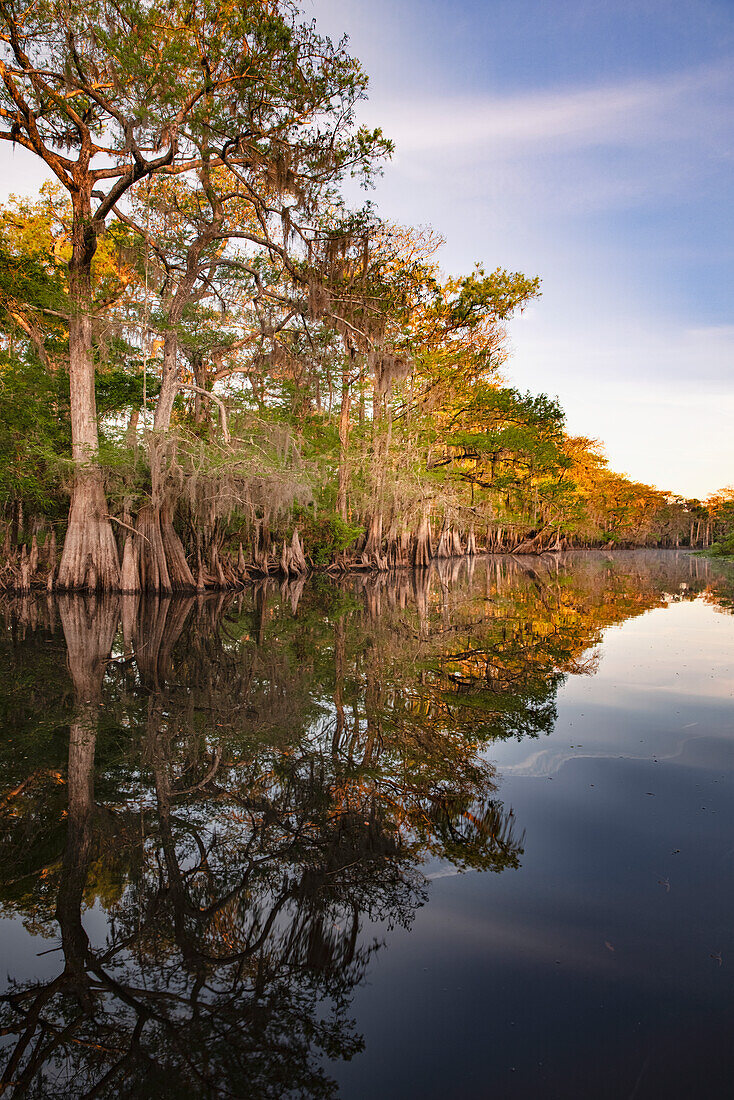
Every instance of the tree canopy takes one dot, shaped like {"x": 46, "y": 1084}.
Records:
{"x": 223, "y": 367}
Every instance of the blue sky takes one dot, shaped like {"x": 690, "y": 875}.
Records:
{"x": 590, "y": 142}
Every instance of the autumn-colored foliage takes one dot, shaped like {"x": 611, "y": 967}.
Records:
{"x": 226, "y": 369}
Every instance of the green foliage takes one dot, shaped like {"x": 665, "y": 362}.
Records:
{"x": 356, "y": 376}
{"x": 34, "y": 435}
{"x": 724, "y": 548}
{"x": 325, "y": 534}
{"x": 499, "y": 294}
{"x": 25, "y": 281}
{"x": 33, "y": 291}
{"x": 721, "y": 507}
{"x": 119, "y": 387}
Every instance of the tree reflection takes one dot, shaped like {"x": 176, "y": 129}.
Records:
{"x": 223, "y": 805}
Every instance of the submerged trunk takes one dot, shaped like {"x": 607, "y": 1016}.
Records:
{"x": 340, "y": 664}
{"x": 445, "y": 544}
{"x": 398, "y": 545}
{"x": 182, "y": 579}
{"x": 293, "y": 560}
{"x": 154, "y": 576}
{"x": 421, "y": 590}
{"x": 185, "y": 914}
{"x": 422, "y": 552}
{"x": 160, "y": 560}
{"x": 372, "y": 552}
{"x": 155, "y": 627}
{"x": 89, "y": 558}
{"x": 89, "y": 630}
{"x": 532, "y": 543}
{"x": 130, "y": 572}
{"x": 78, "y": 852}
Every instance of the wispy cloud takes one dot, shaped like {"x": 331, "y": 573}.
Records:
{"x": 694, "y": 104}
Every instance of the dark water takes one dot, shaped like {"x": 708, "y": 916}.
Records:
{"x": 466, "y": 832}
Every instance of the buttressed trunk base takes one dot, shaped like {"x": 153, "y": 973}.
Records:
{"x": 89, "y": 559}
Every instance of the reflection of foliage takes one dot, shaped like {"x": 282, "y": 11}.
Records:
{"x": 721, "y": 509}
{"x": 250, "y": 782}
{"x": 720, "y": 592}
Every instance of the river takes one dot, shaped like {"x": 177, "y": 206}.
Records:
{"x": 459, "y": 831}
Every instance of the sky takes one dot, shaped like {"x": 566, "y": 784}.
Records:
{"x": 590, "y": 142}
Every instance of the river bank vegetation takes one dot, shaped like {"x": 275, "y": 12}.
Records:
{"x": 212, "y": 368}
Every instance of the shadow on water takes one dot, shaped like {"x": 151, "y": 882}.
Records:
{"x": 215, "y": 809}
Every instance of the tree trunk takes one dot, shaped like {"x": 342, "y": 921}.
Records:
{"x": 297, "y": 559}
{"x": 341, "y": 496}
{"x": 445, "y": 544}
{"x": 89, "y": 558}
{"x": 396, "y": 552}
{"x": 131, "y": 434}
{"x": 24, "y": 584}
{"x": 169, "y": 383}
{"x": 422, "y": 552}
{"x": 161, "y": 559}
{"x": 372, "y": 553}
{"x": 201, "y": 405}
{"x": 130, "y": 572}
{"x": 154, "y": 576}
{"x": 181, "y": 577}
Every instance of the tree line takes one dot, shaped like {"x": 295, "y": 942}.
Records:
{"x": 213, "y": 368}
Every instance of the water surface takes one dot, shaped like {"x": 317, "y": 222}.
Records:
{"x": 466, "y": 830}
